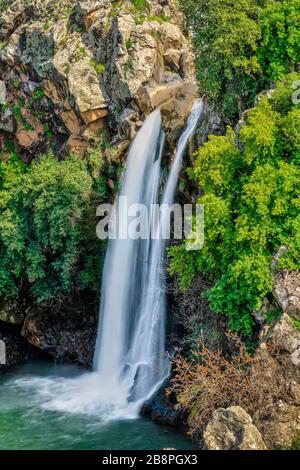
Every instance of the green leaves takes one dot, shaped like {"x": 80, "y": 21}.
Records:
{"x": 44, "y": 226}
{"x": 279, "y": 50}
{"x": 252, "y": 207}
{"x": 242, "y": 45}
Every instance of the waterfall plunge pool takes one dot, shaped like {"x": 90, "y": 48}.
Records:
{"x": 38, "y": 411}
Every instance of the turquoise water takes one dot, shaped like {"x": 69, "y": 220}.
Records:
{"x": 29, "y": 419}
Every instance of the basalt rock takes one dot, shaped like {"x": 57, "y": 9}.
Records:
{"x": 67, "y": 334}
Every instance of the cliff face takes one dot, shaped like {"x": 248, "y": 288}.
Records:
{"x": 71, "y": 72}
{"x": 84, "y": 66}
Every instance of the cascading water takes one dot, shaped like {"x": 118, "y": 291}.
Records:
{"x": 130, "y": 358}
{"x": 124, "y": 366}
{"x": 130, "y": 355}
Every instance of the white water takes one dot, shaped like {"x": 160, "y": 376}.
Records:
{"x": 130, "y": 355}
{"x": 130, "y": 360}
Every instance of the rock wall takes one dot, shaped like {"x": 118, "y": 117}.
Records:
{"x": 72, "y": 72}
{"x": 72, "y": 68}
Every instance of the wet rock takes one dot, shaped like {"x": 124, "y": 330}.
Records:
{"x": 127, "y": 123}
{"x": 17, "y": 350}
{"x": 232, "y": 429}
{"x": 68, "y": 336}
{"x": 287, "y": 292}
{"x": 161, "y": 410}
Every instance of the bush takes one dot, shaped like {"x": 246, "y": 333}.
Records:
{"x": 47, "y": 228}
{"x": 226, "y": 34}
{"x": 241, "y": 46}
{"x": 279, "y": 50}
{"x": 212, "y": 381}
{"x": 251, "y": 182}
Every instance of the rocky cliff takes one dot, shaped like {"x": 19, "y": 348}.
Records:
{"x": 72, "y": 72}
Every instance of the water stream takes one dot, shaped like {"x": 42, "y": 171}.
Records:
{"x": 130, "y": 361}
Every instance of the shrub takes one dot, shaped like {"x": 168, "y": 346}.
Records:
{"x": 47, "y": 228}
{"x": 279, "y": 50}
{"x": 212, "y": 381}
{"x": 242, "y": 45}
{"x": 251, "y": 182}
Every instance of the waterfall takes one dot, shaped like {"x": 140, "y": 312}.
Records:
{"x": 130, "y": 356}
{"x": 130, "y": 361}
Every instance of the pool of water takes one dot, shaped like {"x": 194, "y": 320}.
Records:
{"x": 45, "y": 407}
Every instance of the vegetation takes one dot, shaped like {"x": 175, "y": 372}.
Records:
{"x": 48, "y": 243}
{"x": 211, "y": 381}
{"x": 240, "y": 45}
{"x": 251, "y": 181}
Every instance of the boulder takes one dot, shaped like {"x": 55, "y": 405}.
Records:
{"x": 232, "y": 429}
{"x": 28, "y": 138}
{"x": 172, "y": 59}
{"x": 287, "y": 292}
{"x": 283, "y": 336}
{"x": 76, "y": 144}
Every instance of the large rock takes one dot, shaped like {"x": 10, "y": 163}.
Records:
{"x": 287, "y": 292}
{"x": 283, "y": 336}
{"x": 232, "y": 429}
{"x": 68, "y": 336}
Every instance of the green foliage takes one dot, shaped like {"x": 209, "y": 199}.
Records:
{"x": 297, "y": 326}
{"x": 128, "y": 44}
{"x": 226, "y": 34}
{"x": 38, "y": 94}
{"x": 279, "y": 50}
{"x": 140, "y": 5}
{"x": 100, "y": 68}
{"x": 252, "y": 207}
{"x": 241, "y": 45}
{"x": 48, "y": 243}
{"x": 129, "y": 64}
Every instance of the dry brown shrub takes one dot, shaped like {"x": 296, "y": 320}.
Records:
{"x": 211, "y": 381}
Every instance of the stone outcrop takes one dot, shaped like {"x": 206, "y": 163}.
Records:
{"x": 287, "y": 292}
{"x": 68, "y": 336}
{"x": 282, "y": 336}
{"x": 93, "y": 60}
{"x": 69, "y": 71}
{"x": 232, "y": 429}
